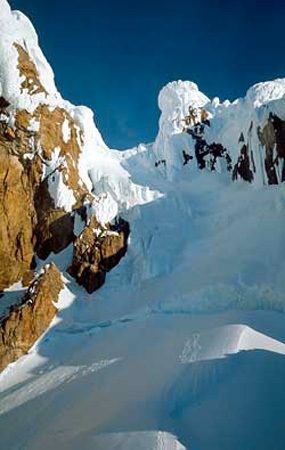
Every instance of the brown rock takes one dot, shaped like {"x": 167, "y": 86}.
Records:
{"x": 111, "y": 247}
{"x": 50, "y": 135}
{"x": 54, "y": 232}
{"x": 17, "y": 217}
{"x": 28, "y": 277}
{"x": 272, "y": 137}
{"x": 29, "y": 72}
{"x": 29, "y": 220}
{"x": 10, "y": 134}
{"x": 27, "y": 321}
{"x": 268, "y": 140}
{"x": 97, "y": 251}
{"x": 92, "y": 278}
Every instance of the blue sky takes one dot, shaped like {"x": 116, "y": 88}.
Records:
{"x": 114, "y": 56}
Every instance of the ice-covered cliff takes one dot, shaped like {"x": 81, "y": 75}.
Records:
{"x": 48, "y": 199}
{"x": 53, "y": 159}
{"x": 245, "y": 137}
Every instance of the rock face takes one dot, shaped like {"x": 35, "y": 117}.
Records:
{"x": 270, "y": 148}
{"x": 206, "y": 155}
{"x": 96, "y": 251}
{"x": 18, "y": 216}
{"x": 27, "y": 321}
{"x": 46, "y": 145}
{"x": 272, "y": 138}
{"x": 29, "y": 218}
{"x": 42, "y": 139}
{"x": 44, "y": 142}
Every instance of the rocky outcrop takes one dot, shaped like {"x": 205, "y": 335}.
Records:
{"x": 40, "y": 147}
{"x": 245, "y": 137}
{"x": 270, "y": 143}
{"x": 207, "y": 154}
{"x": 29, "y": 218}
{"x": 18, "y": 215}
{"x": 242, "y": 168}
{"x": 28, "y": 72}
{"x": 272, "y": 138}
{"x": 46, "y": 145}
{"x": 96, "y": 251}
{"x": 28, "y": 320}
{"x": 42, "y": 142}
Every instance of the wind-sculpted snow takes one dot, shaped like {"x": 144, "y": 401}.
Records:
{"x": 144, "y": 440}
{"x": 48, "y": 379}
{"x": 225, "y": 341}
{"x": 234, "y": 129}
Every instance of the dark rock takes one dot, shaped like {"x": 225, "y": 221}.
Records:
{"x": 242, "y": 167}
{"x": 96, "y": 251}
{"x": 186, "y": 158}
{"x": 207, "y": 154}
{"x": 4, "y": 103}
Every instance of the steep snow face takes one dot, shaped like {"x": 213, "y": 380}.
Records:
{"x": 17, "y": 30}
{"x": 27, "y": 83}
{"x": 5, "y": 9}
{"x": 262, "y": 93}
{"x": 245, "y": 138}
{"x": 174, "y": 101}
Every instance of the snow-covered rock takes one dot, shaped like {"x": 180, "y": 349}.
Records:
{"x": 50, "y": 146}
{"x": 245, "y": 137}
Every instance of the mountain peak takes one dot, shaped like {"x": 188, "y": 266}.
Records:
{"x": 5, "y": 9}
{"x": 262, "y": 93}
{"x": 177, "y": 96}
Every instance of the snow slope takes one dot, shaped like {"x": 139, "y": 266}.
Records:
{"x": 184, "y": 347}
{"x": 150, "y": 361}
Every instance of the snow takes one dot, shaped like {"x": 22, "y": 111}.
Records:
{"x": 66, "y": 132}
{"x": 5, "y": 9}
{"x": 15, "y": 27}
{"x": 79, "y": 225}
{"x": 152, "y": 440}
{"x": 184, "y": 345}
{"x": 86, "y": 385}
{"x": 62, "y": 195}
{"x": 179, "y": 332}
{"x": 34, "y": 125}
{"x": 174, "y": 100}
{"x": 105, "y": 208}
{"x": 227, "y": 122}
{"x": 265, "y": 92}
{"x": 10, "y": 296}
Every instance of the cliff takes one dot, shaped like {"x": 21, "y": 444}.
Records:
{"x": 30, "y": 317}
